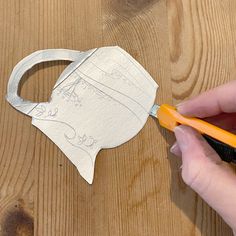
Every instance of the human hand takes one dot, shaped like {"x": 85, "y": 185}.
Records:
{"x": 202, "y": 168}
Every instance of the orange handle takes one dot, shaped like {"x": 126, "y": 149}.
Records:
{"x": 170, "y": 118}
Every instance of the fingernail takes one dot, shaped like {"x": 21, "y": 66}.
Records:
{"x": 181, "y": 137}
{"x": 180, "y": 107}
{"x": 181, "y": 103}
{"x": 173, "y": 149}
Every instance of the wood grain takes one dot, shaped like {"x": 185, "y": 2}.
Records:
{"x": 187, "y": 46}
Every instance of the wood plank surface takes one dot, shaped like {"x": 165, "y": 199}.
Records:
{"x": 187, "y": 46}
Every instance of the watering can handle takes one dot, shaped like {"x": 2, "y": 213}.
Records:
{"x": 28, "y": 62}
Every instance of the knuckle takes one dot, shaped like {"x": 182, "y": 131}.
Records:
{"x": 197, "y": 175}
{"x": 193, "y": 174}
{"x": 196, "y": 171}
{"x": 191, "y": 178}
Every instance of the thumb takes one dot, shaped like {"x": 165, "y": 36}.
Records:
{"x": 205, "y": 173}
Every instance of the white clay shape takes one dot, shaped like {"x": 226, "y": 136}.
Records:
{"x": 101, "y": 100}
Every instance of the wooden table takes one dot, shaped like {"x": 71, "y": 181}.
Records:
{"x": 187, "y": 46}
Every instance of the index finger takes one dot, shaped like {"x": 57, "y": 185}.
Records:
{"x": 216, "y": 101}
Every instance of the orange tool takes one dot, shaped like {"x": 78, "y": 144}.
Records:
{"x": 221, "y": 140}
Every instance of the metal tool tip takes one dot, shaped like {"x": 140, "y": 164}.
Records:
{"x": 154, "y": 110}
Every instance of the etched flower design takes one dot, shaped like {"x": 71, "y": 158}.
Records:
{"x": 68, "y": 93}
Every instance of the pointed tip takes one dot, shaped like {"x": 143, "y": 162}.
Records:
{"x": 86, "y": 165}
{"x": 87, "y": 174}
{"x": 89, "y": 178}
{"x": 90, "y": 181}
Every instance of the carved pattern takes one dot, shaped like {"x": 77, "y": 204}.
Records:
{"x": 41, "y": 111}
{"x": 77, "y": 141}
{"x": 68, "y": 93}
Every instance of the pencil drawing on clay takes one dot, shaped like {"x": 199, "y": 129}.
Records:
{"x": 101, "y": 100}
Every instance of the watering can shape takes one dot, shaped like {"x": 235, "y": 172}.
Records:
{"x": 101, "y": 100}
